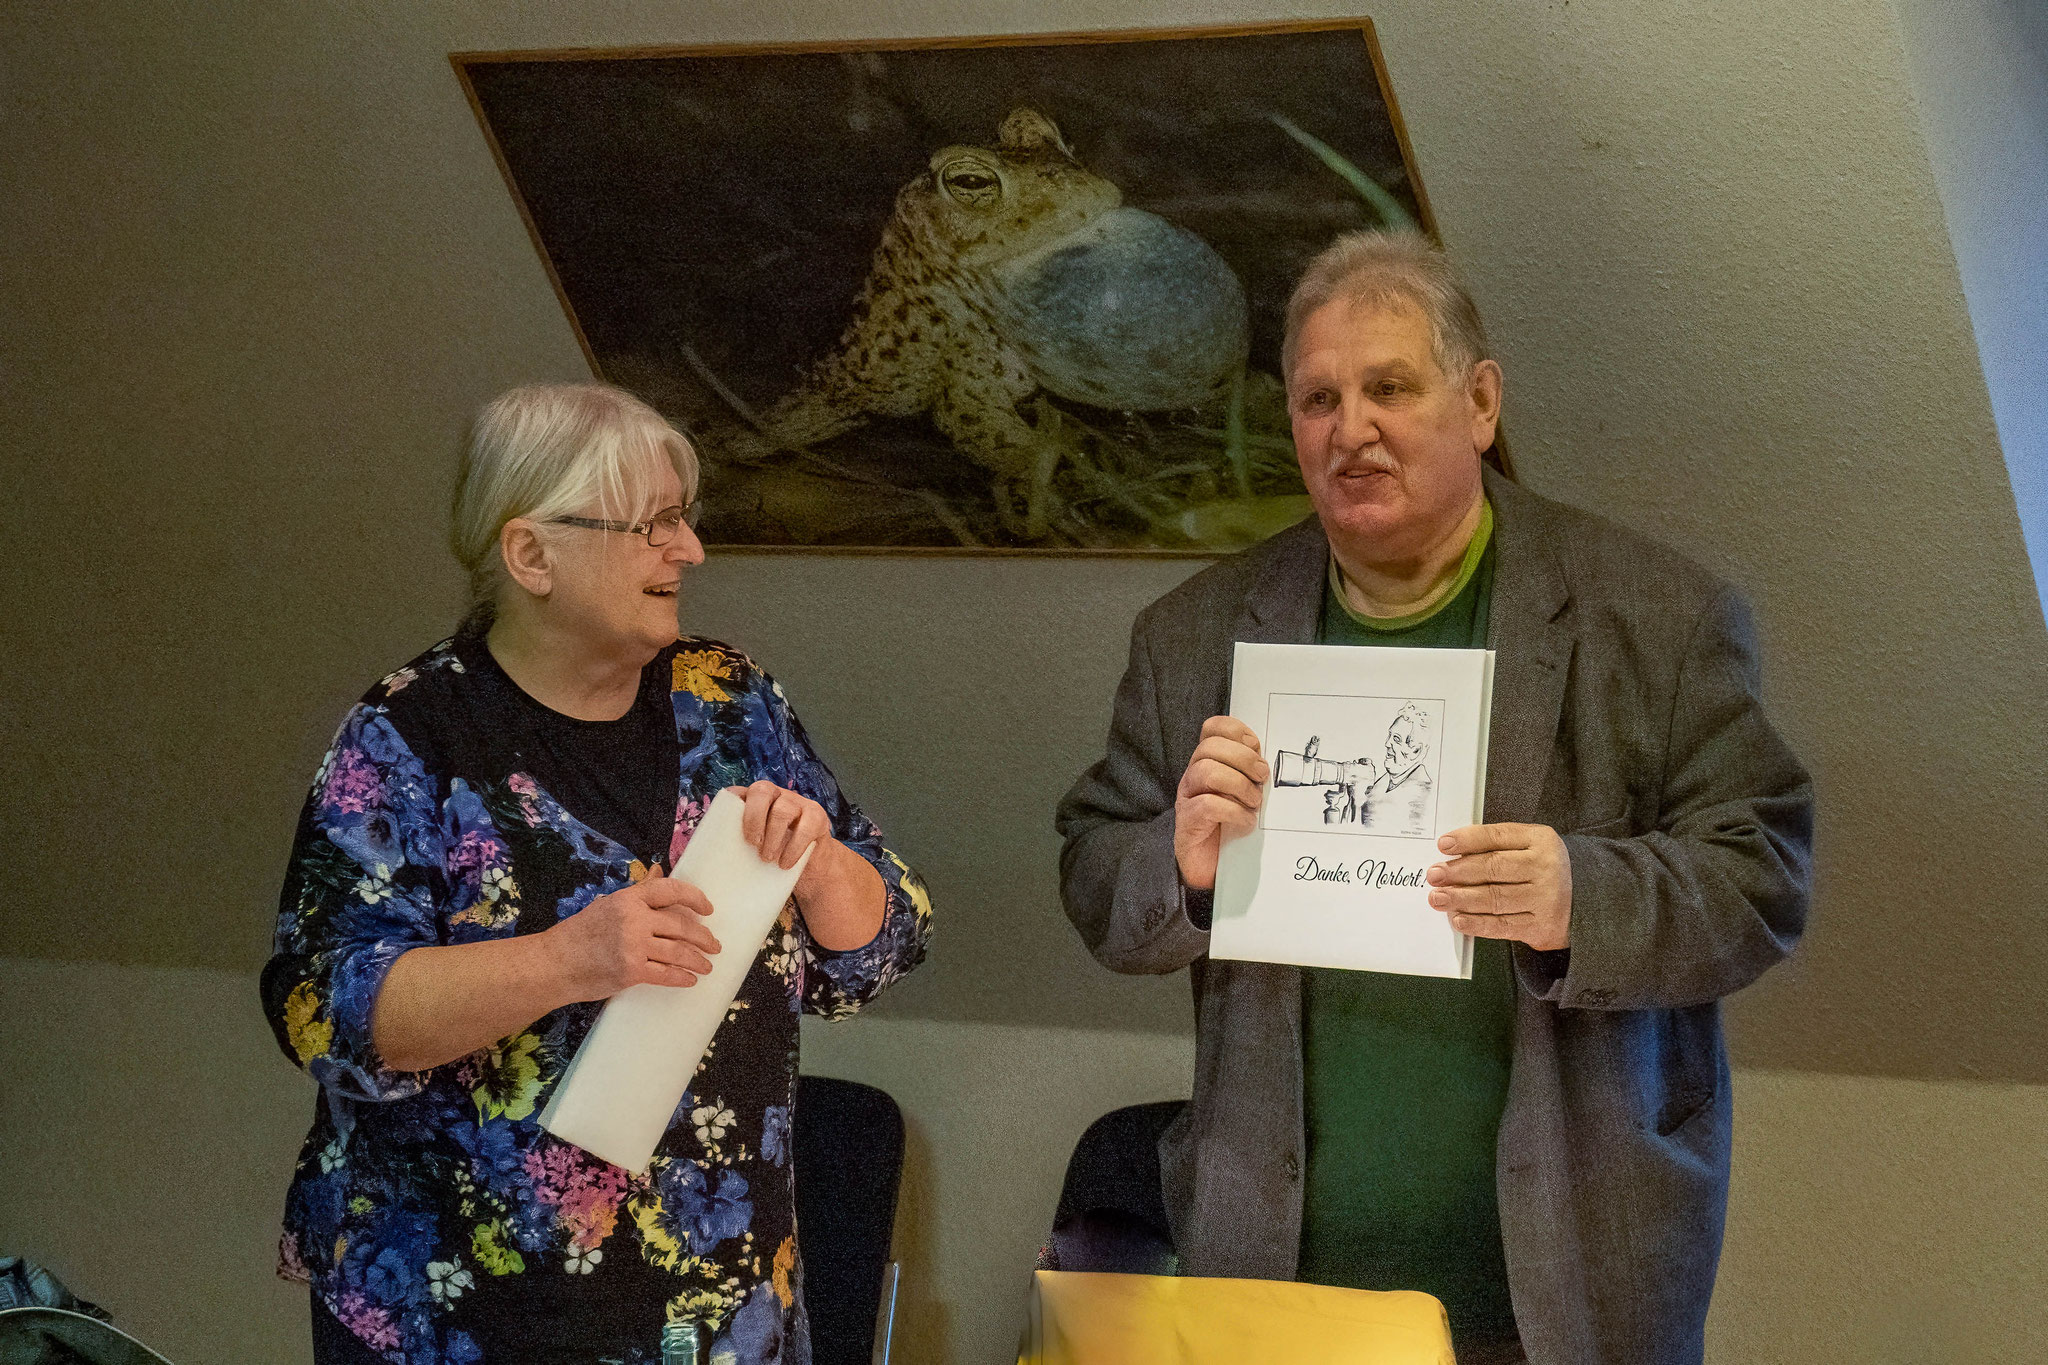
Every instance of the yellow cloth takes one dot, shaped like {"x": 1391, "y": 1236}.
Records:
{"x": 1079, "y": 1318}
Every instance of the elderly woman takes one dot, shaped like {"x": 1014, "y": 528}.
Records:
{"x": 479, "y": 865}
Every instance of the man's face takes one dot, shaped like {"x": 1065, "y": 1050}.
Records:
{"x": 1389, "y": 445}
{"x": 1404, "y": 746}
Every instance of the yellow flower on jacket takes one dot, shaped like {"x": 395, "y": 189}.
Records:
{"x": 913, "y": 887}
{"x": 510, "y": 1081}
{"x": 487, "y": 1244}
{"x": 694, "y": 670}
{"x": 657, "y": 1243}
{"x": 309, "y": 1036}
{"x": 785, "y": 1263}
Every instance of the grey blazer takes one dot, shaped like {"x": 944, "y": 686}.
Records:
{"x": 1626, "y": 715}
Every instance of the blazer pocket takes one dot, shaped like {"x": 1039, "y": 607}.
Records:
{"x": 1614, "y": 827}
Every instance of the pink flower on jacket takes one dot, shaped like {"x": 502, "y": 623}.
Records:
{"x": 371, "y": 1324}
{"x": 353, "y": 784}
{"x": 584, "y": 1192}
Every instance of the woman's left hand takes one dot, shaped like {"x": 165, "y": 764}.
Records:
{"x": 842, "y": 898}
{"x": 781, "y": 823}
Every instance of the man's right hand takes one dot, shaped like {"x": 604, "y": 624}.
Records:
{"x": 650, "y": 931}
{"x": 1219, "y": 794}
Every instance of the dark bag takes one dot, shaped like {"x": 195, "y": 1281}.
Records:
{"x": 43, "y": 1323}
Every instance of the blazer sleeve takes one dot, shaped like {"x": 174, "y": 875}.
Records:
{"x": 1118, "y": 879}
{"x": 1718, "y": 891}
{"x": 837, "y": 983}
{"x": 365, "y": 878}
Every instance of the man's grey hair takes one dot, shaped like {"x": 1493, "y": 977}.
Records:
{"x": 551, "y": 450}
{"x": 1376, "y": 268}
{"x": 1416, "y": 717}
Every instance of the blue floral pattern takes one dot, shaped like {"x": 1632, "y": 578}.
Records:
{"x": 429, "y": 1211}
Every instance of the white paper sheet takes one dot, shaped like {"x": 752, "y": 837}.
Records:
{"x": 1375, "y": 754}
{"x": 624, "y": 1083}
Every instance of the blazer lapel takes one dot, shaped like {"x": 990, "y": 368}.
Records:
{"x": 1532, "y": 655}
{"x": 1285, "y": 605}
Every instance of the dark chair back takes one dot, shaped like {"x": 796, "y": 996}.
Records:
{"x": 1112, "y": 1211}
{"x": 849, "y": 1164}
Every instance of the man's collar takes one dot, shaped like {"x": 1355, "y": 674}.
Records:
{"x": 1285, "y": 602}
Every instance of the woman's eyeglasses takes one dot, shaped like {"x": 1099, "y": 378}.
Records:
{"x": 659, "y": 529}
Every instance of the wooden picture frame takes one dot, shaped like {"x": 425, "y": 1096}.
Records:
{"x": 1016, "y": 294}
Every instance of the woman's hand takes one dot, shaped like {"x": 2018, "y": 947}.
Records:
{"x": 651, "y": 931}
{"x": 781, "y": 824}
{"x": 841, "y": 896}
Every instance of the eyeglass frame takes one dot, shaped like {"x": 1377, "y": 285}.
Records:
{"x": 692, "y": 513}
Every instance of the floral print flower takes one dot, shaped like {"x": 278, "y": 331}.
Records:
{"x": 694, "y": 670}
{"x": 375, "y": 887}
{"x": 583, "y": 1260}
{"x": 447, "y": 1279}
{"x": 487, "y": 1244}
{"x": 510, "y": 1080}
{"x": 775, "y": 1134}
{"x": 310, "y": 1035}
{"x": 711, "y": 1121}
{"x": 352, "y": 783}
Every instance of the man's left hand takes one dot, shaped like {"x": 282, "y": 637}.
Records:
{"x": 1506, "y": 881}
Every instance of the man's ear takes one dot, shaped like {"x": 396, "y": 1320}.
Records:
{"x": 526, "y": 557}
{"x": 1484, "y": 390}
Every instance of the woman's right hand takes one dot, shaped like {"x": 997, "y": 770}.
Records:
{"x": 651, "y": 931}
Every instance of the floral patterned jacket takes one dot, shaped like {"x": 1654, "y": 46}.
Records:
{"x": 429, "y": 1211}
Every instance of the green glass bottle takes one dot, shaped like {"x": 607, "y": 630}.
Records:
{"x": 684, "y": 1342}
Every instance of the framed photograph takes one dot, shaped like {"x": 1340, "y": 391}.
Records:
{"x": 1018, "y": 294}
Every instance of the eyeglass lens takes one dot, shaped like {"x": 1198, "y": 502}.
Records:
{"x": 661, "y": 528}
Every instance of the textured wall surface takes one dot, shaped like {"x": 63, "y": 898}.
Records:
{"x": 1875, "y": 1220}
{"x": 261, "y": 265}
{"x": 1980, "y": 69}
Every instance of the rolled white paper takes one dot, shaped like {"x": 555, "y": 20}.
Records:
{"x": 623, "y": 1085}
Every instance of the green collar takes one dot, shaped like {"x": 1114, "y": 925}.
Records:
{"x": 1474, "y": 552}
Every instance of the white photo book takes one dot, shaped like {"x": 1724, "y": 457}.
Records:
{"x": 622, "y": 1087}
{"x": 1374, "y": 754}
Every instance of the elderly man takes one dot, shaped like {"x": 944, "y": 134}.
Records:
{"x": 1545, "y": 1146}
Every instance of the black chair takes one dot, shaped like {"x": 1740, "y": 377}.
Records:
{"x": 1112, "y": 1210}
{"x": 848, "y": 1141}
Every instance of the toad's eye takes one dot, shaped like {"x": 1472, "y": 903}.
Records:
{"x": 971, "y": 182}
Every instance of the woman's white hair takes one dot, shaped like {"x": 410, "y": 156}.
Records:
{"x": 549, "y": 450}
{"x": 1381, "y": 268}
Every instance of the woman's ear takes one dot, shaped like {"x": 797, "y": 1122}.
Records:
{"x": 526, "y": 556}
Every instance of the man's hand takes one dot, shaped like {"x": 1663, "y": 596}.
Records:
{"x": 651, "y": 931}
{"x": 1219, "y": 794}
{"x": 1506, "y": 881}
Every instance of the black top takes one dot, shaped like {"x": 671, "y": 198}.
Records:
{"x": 619, "y": 776}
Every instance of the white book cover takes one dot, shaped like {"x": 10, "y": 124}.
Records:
{"x": 622, "y": 1087}
{"x": 1374, "y": 754}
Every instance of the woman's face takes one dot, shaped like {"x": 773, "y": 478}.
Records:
{"x": 618, "y": 591}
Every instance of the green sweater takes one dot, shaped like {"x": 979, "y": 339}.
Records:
{"x": 1405, "y": 1076}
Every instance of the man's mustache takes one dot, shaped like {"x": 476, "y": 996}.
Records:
{"x": 1370, "y": 461}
